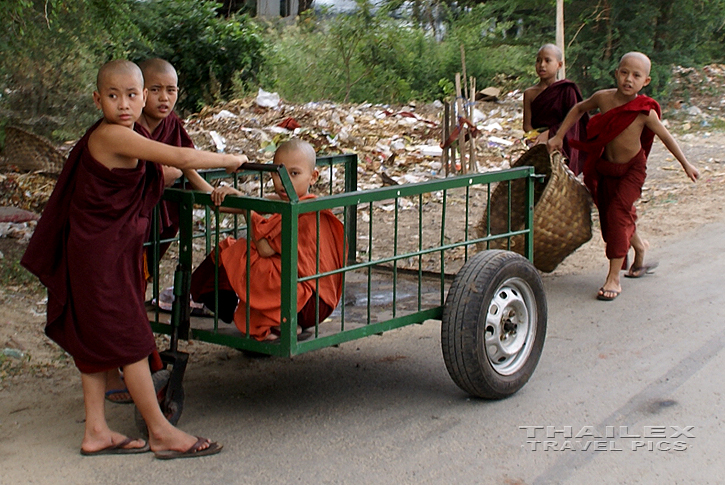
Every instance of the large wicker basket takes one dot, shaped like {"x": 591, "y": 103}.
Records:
{"x": 29, "y": 152}
{"x": 562, "y": 211}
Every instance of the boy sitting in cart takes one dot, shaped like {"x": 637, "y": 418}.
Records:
{"x": 265, "y": 263}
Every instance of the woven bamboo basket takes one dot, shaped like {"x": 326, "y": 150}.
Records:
{"x": 562, "y": 211}
{"x": 29, "y": 152}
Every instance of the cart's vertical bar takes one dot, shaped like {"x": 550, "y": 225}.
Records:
{"x": 351, "y": 210}
{"x": 488, "y": 214}
{"x": 248, "y": 263}
{"x": 420, "y": 248}
{"x": 508, "y": 214}
{"x": 288, "y": 310}
{"x": 370, "y": 258}
{"x": 395, "y": 254}
{"x": 529, "y": 238}
{"x": 155, "y": 237}
{"x": 442, "y": 243}
{"x": 346, "y": 242}
{"x": 181, "y": 311}
{"x": 468, "y": 220}
{"x": 317, "y": 271}
{"x": 217, "y": 265}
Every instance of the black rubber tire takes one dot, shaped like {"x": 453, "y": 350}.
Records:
{"x": 172, "y": 410}
{"x": 487, "y": 282}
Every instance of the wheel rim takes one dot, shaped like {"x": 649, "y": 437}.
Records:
{"x": 510, "y": 327}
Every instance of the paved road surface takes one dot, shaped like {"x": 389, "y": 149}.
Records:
{"x": 637, "y": 382}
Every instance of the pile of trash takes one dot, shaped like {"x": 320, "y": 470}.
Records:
{"x": 393, "y": 143}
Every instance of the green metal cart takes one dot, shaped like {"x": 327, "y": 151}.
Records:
{"x": 412, "y": 257}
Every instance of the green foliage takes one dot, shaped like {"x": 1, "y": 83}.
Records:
{"x": 51, "y": 50}
{"x": 685, "y": 33}
{"x": 213, "y": 56}
{"x": 371, "y": 56}
{"x": 386, "y": 53}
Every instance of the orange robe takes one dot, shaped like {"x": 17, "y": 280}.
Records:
{"x": 615, "y": 187}
{"x": 265, "y": 273}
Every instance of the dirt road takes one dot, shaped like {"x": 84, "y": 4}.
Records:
{"x": 384, "y": 410}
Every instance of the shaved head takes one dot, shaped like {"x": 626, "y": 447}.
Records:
{"x": 639, "y": 58}
{"x": 118, "y": 67}
{"x": 156, "y": 65}
{"x": 301, "y": 147}
{"x": 551, "y": 47}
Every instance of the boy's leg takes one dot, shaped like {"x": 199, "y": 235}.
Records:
{"x": 612, "y": 287}
{"x": 98, "y": 435}
{"x": 115, "y": 387}
{"x": 639, "y": 267}
{"x": 162, "y": 434}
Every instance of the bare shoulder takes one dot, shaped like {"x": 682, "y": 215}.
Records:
{"x": 604, "y": 99}
{"x": 109, "y": 132}
{"x": 112, "y": 145}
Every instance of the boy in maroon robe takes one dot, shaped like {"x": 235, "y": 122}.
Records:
{"x": 619, "y": 141}
{"x": 87, "y": 250}
{"x": 159, "y": 122}
{"x": 547, "y": 103}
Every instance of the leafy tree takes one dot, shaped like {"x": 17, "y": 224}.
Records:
{"x": 212, "y": 55}
{"x": 51, "y": 51}
{"x": 669, "y": 33}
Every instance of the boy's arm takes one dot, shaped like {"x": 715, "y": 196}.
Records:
{"x": 197, "y": 181}
{"x": 171, "y": 174}
{"x": 653, "y": 123}
{"x": 119, "y": 142}
{"x": 527, "y": 111}
{"x": 557, "y": 141}
{"x": 263, "y": 248}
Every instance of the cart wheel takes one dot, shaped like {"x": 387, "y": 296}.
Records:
{"x": 172, "y": 410}
{"x": 494, "y": 324}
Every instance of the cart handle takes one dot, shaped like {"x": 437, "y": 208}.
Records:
{"x": 281, "y": 171}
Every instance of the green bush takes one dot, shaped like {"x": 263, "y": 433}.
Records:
{"x": 213, "y": 56}
{"x": 371, "y": 56}
{"x": 51, "y": 52}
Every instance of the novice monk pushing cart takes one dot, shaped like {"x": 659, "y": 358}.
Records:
{"x": 87, "y": 251}
{"x": 618, "y": 142}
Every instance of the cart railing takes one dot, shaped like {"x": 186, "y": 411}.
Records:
{"x": 406, "y": 241}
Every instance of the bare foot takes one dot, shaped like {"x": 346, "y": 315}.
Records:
{"x": 611, "y": 288}
{"x": 173, "y": 439}
{"x": 639, "y": 252}
{"x": 108, "y": 439}
{"x": 607, "y": 295}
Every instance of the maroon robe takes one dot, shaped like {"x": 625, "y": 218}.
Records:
{"x": 87, "y": 250}
{"x": 549, "y": 109}
{"x": 171, "y": 132}
{"x": 615, "y": 187}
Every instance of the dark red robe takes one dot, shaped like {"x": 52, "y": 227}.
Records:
{"x": 549, "y": 109}
{"x": 87, "y": 251}
{"x": 615, "y": 187}
{"x": 171, "y": 132}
